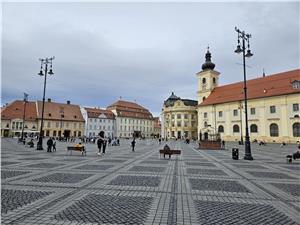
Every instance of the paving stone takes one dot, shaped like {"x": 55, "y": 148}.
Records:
{"x": 249, "y": 166}
{"x": 108, "y": 209}
{"x": 63, "y": 178}
{"x": 32, "y": 158}
{"x": 293, "y": 189}
{"x": 227, "y": 213}
{"x": 6, "y": 163}
{"x": 206, "y": 172}
{"x": 200, "y": 164}
{"x": 94, "y": 167}
{"x": 147, "y": 169}
{"x": 113, "y": 160}
{"x": 45, "y": 165}
{"x": 272, "y": 175}
{"x": 13, "y": 199}
{"x": 145, "y": 181}
{"x": 164, "y": 162}
{"x": 217, "y": 185}
{"x": 11, "y": 173}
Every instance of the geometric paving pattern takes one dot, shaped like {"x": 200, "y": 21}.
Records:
{"x": 107, "y": 209}
{"x": 44, "y": 165}
{"x": 206, "y": 172}
{"x": 272, "y": 175}
{"x": 147, "y": 169}
{"x": 249, "y": 166}
{"x": 217, "y": 185}
{"x": 63, "y": 178}
{"x": 11, "y": 173}
{"x": 94, "y": 167}
{"x": 145, "y": 181}
{"x": 155, "y": 162}
{"x": 293, "y": 189}
{"x": 210, "y": 212}
{"x": 12, "y": 199}
{"x": 199, "y": 164}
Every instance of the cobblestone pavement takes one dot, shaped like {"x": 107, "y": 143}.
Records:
{"x": 125, "y": 187}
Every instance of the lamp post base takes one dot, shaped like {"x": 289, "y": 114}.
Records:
{"x": 39, "y": 145}
{"x": 248, "y": 157}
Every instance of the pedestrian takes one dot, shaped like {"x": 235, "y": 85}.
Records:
{"x": 133, "y": 144}
{"x": 104, "y": 146}
{"x": 49, "y": 144}
{"x": 159, "y": 140}
{"x": 100, "y": 142}
{"x": 223, "y": 144}
{"x": 54, "y": 145}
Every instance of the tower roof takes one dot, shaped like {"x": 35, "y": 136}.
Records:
{"x": 208, "y": 65}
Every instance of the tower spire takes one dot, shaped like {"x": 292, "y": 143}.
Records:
{"x": 208, "y": 65}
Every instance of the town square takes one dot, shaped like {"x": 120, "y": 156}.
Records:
{"x": 150, "y": 113}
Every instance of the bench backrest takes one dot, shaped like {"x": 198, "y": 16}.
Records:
{"x": 170, "y": 151}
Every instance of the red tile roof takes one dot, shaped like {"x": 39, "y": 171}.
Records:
{"x": 95, "y": 113}
{"x": 157, "y": 123}
{"x": 130, "y": 109}
{"x": 53, "y": 111}
{"x": 15, "y": 110}
{"x": 272, "y": 85}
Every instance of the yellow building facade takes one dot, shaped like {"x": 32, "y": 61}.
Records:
{"x": 179, "y": 118}
{"x": 273, "y": 106}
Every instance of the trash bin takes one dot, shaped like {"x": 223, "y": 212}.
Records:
{"x": 235, "y": 153}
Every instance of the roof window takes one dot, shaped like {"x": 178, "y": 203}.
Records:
{"x": 296, "y": 84}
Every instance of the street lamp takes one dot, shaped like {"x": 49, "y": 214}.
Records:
{"x": 44, "y": 65}
{"x": 245, "y": 37}
{"x": 25, "y": 101}
{"x": 240, "y": 108}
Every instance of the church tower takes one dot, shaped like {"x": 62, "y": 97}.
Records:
{"x": 208, "y": 78}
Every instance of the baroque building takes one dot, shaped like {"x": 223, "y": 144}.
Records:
{"x": 132, "y": 119}
{"x": 179, "y": 118}
{"x": 273, "y": 106}
{"x": 97, "y": 120}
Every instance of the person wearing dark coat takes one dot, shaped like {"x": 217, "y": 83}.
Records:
{"x": 133, "y": 144}
{"x": 49, "y": 144}
{"x": 101, "y": 143}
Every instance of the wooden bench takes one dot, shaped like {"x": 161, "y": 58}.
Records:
{"x": 78, "y": 149}
{"x": 169, "y": 152}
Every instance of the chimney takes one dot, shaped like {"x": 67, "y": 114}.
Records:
{"x": 49, "y": 99}
{"x": 68, "y": 102}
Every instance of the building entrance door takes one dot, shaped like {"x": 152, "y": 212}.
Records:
{"x": 178, "y": 134}
{"x": 67, "y": 133}
{"x": 205, "y": 136}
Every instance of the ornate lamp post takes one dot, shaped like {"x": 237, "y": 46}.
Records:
{"x": 245, "y": 37}
{"x": 44, "y": 66}
{"x": 241, "y": 110}
{"x": 24, "y": 112}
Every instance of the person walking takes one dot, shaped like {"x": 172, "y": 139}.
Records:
{"x": 49, "y": 144}
{"x": 54, "y": 145}
{"x": 133, "y": 144}
{"x": 100, "y": 142}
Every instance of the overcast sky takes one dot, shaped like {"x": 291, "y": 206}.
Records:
{"x": 140, "y": 51}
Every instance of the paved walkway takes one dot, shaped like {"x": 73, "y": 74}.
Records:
{"x": 124, "y": 187}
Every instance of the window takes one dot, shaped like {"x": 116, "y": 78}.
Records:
{"x": 75, "y": 125}
{"x": 274, "y": 131}
{"x": 295, "y": 107}
{"x": 203, "y": 81}
{"x": 54, "y": 133}
{"x": 193, "y": 116}
{"x": 185, "y": 124}
{"x": 272, "y": 109}
{"x": 172, "y": 116}
{"x": 179, "y": 124}
{"x": 205, "y": 115}
{"x": 235, "y": 112}
{"x": 57, "y": 124}
{"x": 214, "y": 80}
{"x": 185, "y": 116}
{"x": 296, "y": 129}
{"x": 203, "y": 98}
{"x": 253, "y": 128}
{"x": 48, "y": 125}
{"x": 252, "y": 111}
{"x": 221, "y": 129}
{"x": 296, "y": 84}
{"x": 236, "y": 128}
{"x": 178, "y": 116}
{"x": 220, "y": 113}
{"x": 205, "y": 124}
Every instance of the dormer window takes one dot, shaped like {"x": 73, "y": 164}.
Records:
{"x": 75, "y": 117}
{"x": 296, "y": 84}
{"x": 49, "y": 114}
{"x": 203, "y": 81}
{"x": 214, "y": 80}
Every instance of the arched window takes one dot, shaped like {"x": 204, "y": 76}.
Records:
{"x": 274, "y": 131}
{"x": 253, "y": 128}
{"x": 205, "y": 124}
{"x": 296, "y": 129}
{"x": 203, "y": 98}
{"x": 203, "y": 81}
{"x": 214, "y": 80}
{"x": 220, "y": 129}
{"x": 236, "y": 128}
